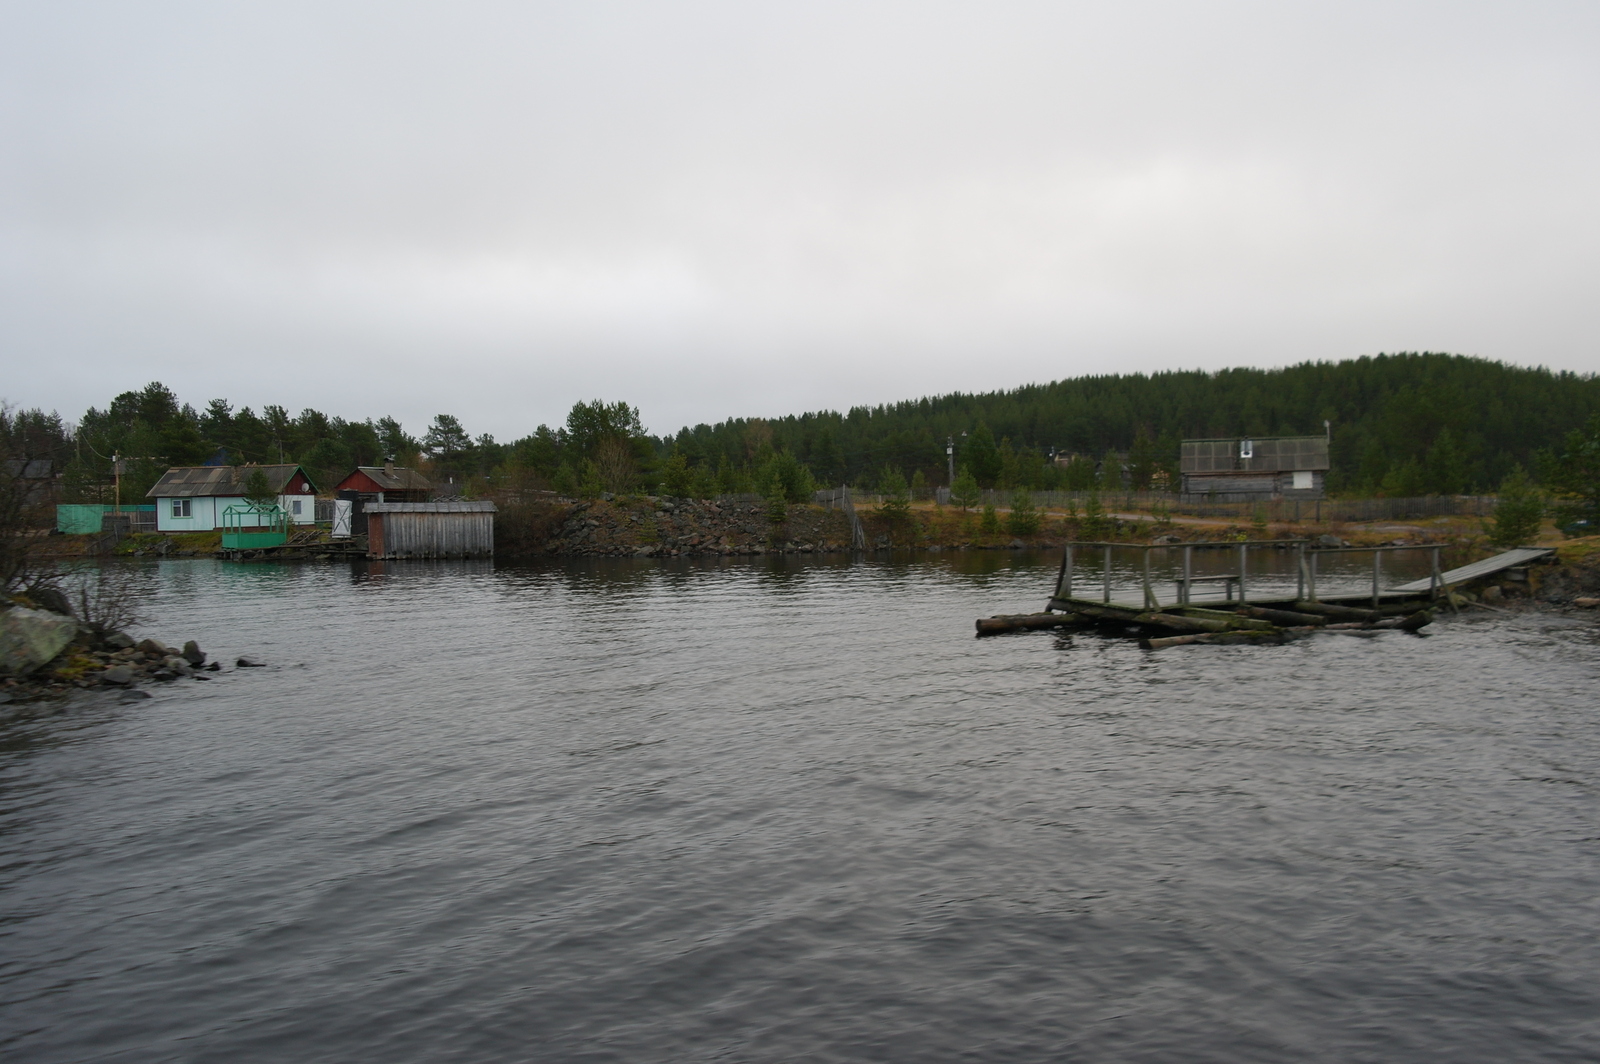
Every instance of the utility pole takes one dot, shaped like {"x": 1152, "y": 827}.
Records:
{"x": 950, "y": 453}
{"x": 116, "y": 473}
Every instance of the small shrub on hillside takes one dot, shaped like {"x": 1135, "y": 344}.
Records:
{"x": 777, "y": 509}
{"x": 1024, "y": 519}
{"x": 989, "y": 523}
{"x": 896, "y": 505}
{"x": 783, "y": 474}
{"x": 1094, "y": 524}
{"x": 589, "y": 483}
{"x": 676, "y": 476}
{"x": 964, "y": 492}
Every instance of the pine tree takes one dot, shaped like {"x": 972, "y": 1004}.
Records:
{"x": 676, "y": 476}
{"x": 1517, "y": 512}
{"x": 1143, "y": 461}
{"x": 1573, "y": 477}
{"x": 965, "y": 493}
{"x": 895, "y": 506}
{"x": 982, "y": 456}
{"x": 1024, "y": 518}
{"x": 257, "y": 491}
{"x": 1093, "y": 525}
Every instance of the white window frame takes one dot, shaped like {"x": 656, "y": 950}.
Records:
{"x": 294, "y": 507}
{"x": 182, "y": 508}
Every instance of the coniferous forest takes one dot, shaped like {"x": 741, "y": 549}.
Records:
{"x": 1402, "y": 425}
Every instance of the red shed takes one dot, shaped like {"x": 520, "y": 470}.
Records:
{"x": 387, "y": 483}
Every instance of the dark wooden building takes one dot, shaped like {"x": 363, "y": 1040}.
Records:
{"x": 430, "y": 529}
{"x": 1247, "y": 469}
{"x": 386, "y": 483}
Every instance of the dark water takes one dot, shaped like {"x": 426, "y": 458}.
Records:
{"x": 795, "y": 812}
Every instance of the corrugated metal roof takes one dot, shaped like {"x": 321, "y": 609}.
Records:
{"x": 1508, "y": 560}
{"x": 401, "y": 478}
{"x": 182, "y": 482}
{"x": 482, "y": 506}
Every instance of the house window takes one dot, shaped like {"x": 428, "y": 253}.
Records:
{"x": 180, "y": 508}
{"x": 1302, "y": 480}
{"x": 295, "y": 507}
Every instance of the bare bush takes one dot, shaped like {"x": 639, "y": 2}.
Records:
{"x": 106, "y": 599}
{"x": 522, "y": 528}
{"x": 23, "y": 525}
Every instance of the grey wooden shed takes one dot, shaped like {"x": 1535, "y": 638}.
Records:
{"x": 430, "y": 529}
{"x": 1246, "y": 469}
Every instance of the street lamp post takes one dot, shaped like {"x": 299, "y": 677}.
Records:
{"x": 950, "y": 453}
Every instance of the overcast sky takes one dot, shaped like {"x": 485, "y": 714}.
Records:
{"x": 737, "y": 209}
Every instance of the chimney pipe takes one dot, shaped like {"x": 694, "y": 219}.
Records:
{"x": 388, "y": 466}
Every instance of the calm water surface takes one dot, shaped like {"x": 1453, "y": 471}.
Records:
{"x": 793, "y": 811}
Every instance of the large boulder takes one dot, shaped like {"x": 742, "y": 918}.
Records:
{"x": 29, "y": 638}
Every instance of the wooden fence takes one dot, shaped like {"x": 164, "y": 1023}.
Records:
{"x": 1336, "y": 510}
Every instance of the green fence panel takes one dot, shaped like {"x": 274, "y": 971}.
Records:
{"x": 83, "y": 519}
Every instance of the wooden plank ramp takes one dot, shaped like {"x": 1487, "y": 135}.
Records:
{"x": 1477, "y": 570}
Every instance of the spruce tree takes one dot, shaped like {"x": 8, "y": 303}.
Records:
{"x": 1024, "y": 518}
{"x": 1517, "y": 512}
{"x": 965, "y": 492}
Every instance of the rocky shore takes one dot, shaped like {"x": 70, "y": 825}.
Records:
{"x": 666, "y": 527}
{"x": 44, "y": 654}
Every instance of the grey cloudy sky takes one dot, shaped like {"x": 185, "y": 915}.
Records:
{"x": 715, "y": 209}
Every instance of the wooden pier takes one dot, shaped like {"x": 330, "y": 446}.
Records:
{"x": 1236, "y": 581}
{"x": 1252, "y": 606}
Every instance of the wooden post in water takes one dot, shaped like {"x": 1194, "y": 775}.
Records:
{"x": 1435, "y": 577}
{"x": 1188, "y": 572}
{"x": 1149, "y": 595}
{"x": 1377, "y": 572}
{"x": 1244, "y": 554}
{"x": 1105, "y": 578}
{"x": 1064, "y": 585}
{"x": 1300, "y": 571}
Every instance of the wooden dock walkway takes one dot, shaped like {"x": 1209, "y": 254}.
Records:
{"x": 1256, "y": 613}
{"x": 1241, "y": 583}
{"x": 1477, "y": 570}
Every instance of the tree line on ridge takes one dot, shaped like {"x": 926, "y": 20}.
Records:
{"x": 1401, "y": 425}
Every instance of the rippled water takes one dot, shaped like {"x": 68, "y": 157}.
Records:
{"x": 782, "y": 811}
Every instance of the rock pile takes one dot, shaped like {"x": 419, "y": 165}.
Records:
{"x": 668, "y": 527}
{"x": 44, "y": 654}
